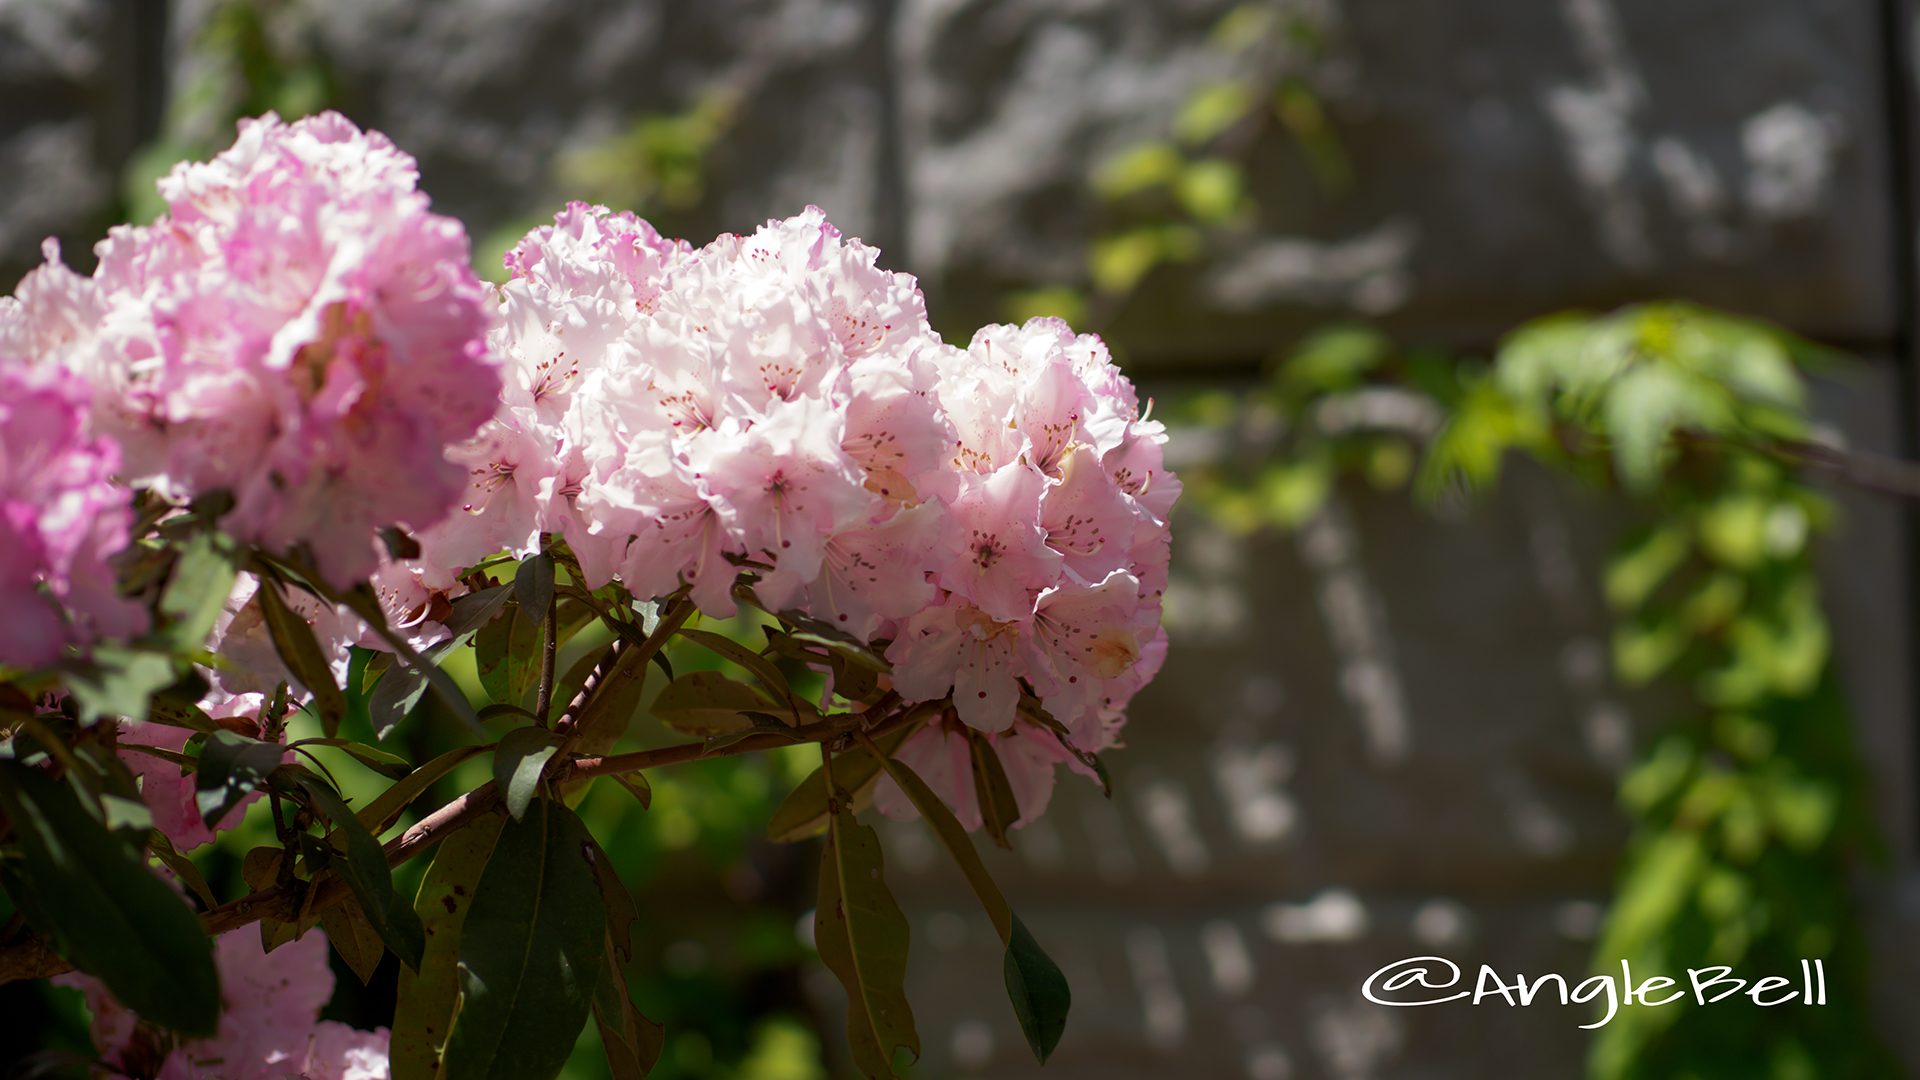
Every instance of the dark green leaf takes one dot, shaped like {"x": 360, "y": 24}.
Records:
{"x": 399, "y": 690}
{"x": 759, "y": 666}
{"x": 231, "y": 767}
{"x": 182, "y": 867}
{"x": 518, "y": 764}
{"x": 1035, "y": 984}
{"x": 386, "y": 808}
{"x": 353, "y": 937}
{"x": 174, "y": 712}
{"x": 477, "y": 609}
{"x": 293, "y": 639}
{"x": 709, "y": 703}
{"x": 390, "y": 765}
{"x": 426, "y": 999}
{"x": 491, "y": 643}
{"x": 607, "y": 714}
{"x": 636, "y": 786}
{"x": 862, "y": 938}
{"x": 998, "y": 808}
{"x": 107, "y": 913}
{"x": 533, "y": 585}
{"x": 368, "y": 875}
{"x": 803, "y": 813}
{"x": 631, "y": 1041}
{"x": 530, "y": 951}
{"x": 1038, "y": 991}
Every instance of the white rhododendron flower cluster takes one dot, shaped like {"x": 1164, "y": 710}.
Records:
{"x": 297, "y": 331}
{"x": 776, "y": 404}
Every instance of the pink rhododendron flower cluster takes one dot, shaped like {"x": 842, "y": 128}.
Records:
{"x": 61, "y": 519}
{"x": 298, "y": 331}
{"x": 166, "y": 788}
{"x": 270, "y": 1026}
{"x": 993, "y": 517}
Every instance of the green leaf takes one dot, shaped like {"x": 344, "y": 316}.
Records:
{"x": 1038, "y": 990}
{"x": 637, "y": 786}
{"x": 491, "y": 644}
{"x": 1209, "y": 113}
{"x": 631, "y": 1041}
{"x": 518, "y": 764}
{"x": 757, "y": 665}
{"x": 387, "y": 764}
{"x": 202, "y": 581}
{"x": 354, "y": 938}
{"x": 477, "y": 609}
{"x": 862, "y": 938}
{"x": 117, "y": 680}
{"x": 607, "y": 714}
{"x": 293, "y": 639}
{"x": 368, "y": 875}
{"x": 380, "y": 814}
{"x": 533, "y": 585}
{"x": 426, "y": 999}
{"x": 1140, "y": 168}
{"x": 530, "y": 951}
{"x": 400, "y": 689}
{"x": 1212, "y": 191}
{"x": 230, "y": 767}
{"x": 803, "y": 814}
{"x": 106, "y": 912}
{"x": 708, "y": 703}
{"x": 175, "y": 712}
{"x": 999, "y": 810}
{"x": 182, "y": 867}
{"x": 1035, "y": 984}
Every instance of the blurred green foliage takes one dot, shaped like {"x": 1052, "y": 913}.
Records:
{"x": 1749, "y": 809}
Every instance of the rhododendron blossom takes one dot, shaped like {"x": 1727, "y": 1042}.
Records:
{"x": 269, "y": 1030}
{"x": 297, "y": 331}
{"x": 61, "y": 519}
{"x": 281, "y": 454}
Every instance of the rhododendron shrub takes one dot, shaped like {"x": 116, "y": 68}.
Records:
{"x": 280, "y": 455}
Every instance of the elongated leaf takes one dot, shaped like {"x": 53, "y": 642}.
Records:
{"x": 862, "y": 938}
{"x": 530, "y": 951}
{"x": 491, "y": 644}
{"x": 173, "y": 712}
{"x": 998, "y": 807}
{"x": 631, "y": 1041}
{"x": 426, "y": 999}
{"x": 759, "y": 666}
{"x": 106, "y": 912}
{"x": 533, "y": 585}
{"x": 610, "y": 711}
{"x": 389, "y": 765}
{"x": 621, "y": 912}
{"x": 183, "y": 868}
{"x": 385, "y": 809}
{"x": 231, "y": 767}
{"x": 1035, "y": 984}
{"x": 354, "y": 938}
{"x": 636, "y": 786}
{"x": 399, "y": 690}
{"x": 477, "y": 609}
{"x": 202, "y": 581}
{"x": 803, "y": 813}
{"x": 367, "y": 874}
{"x": 1038, "y": 991}
{"x": 523, "y": 653}
{"x": 518, "y": 763}
{"x": 709, "y": 703}
{"x": 293, "y": 639}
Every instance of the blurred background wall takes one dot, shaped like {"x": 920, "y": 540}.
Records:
{"x": 1389, "y": 733}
